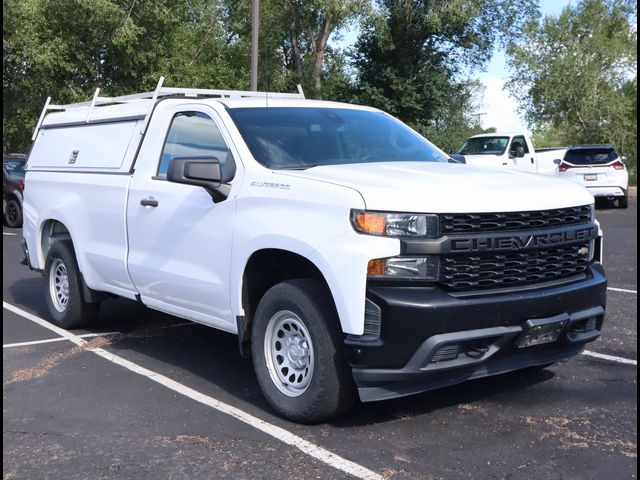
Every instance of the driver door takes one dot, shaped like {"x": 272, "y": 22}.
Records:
{"x": 524, "y": 163}
{"x": 179, "y": 239}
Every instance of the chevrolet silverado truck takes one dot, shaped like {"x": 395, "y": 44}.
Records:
{"x": 348, "y": 254}
{"x": 510, "y": 150}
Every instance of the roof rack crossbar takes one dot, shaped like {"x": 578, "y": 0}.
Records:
{"x": 159, "y": 92}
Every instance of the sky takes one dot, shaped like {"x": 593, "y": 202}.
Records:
{"x": 498, "y": 108}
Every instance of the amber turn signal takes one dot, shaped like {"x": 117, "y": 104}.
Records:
{"x": 371, "y": 222}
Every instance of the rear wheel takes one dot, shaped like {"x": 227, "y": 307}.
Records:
{"x": 13, "y": 214}
{"x": 298, "y": 355}
{"x": 623, "y": 202}
{"x": 64, "y": 293}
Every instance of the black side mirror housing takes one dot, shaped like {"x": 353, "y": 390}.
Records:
{"x": 206, "y": 172}
{"x": 557, "y": 161}
{"x": 518, "y": 152}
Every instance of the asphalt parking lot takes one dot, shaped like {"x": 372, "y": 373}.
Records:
{"x": 151, "y": 396}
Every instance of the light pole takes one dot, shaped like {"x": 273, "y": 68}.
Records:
{"x": 255, "y": 28}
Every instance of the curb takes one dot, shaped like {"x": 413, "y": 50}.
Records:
{"x": 633, "y": 192}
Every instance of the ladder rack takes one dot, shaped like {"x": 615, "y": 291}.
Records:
{"x": 159, "y": 92}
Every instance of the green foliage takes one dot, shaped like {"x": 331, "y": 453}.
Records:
{"x": 67, "y": 48}
{"x": 410, "y": 54}
{"x": 576, "y": 75}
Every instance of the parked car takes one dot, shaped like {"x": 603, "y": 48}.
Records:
{"x": 345, "y": 251}
{"x": 509, "y": 150}
{"x": 12, "y": 188}
{"x": 600, "y": 168}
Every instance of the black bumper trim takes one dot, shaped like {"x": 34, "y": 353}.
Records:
{"x": 430, "y": 338}
{"x": 444, "y": 379}
{"x": 420, "y": 375}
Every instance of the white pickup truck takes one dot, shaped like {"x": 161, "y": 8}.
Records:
{"x": 510, "y": 150}
{"x": 348, "y": 254}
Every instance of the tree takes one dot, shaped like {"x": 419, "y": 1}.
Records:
{"x": 294, "y": 36}
{"x": 67, "y": 48}
{"x": 311, "y": 23}
{"x": 412, "y": 53}
{"x": 575, "y": 75}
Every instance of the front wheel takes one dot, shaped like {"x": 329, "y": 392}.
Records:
{"x": 298, "y": 354}
{"x": 67, "y": 308}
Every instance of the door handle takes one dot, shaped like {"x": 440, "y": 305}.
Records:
{"x": 505, "y": 163}
{"x": 531, "y": 160}
{"x": 149, "y": 202}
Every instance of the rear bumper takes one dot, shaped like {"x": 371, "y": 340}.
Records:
{"x": 607, "y": 191}
{"x": 421, "y": 325}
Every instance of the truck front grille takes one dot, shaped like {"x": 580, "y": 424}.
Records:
{"x": 498, "y": 222}
{"x": 491, "y": 271}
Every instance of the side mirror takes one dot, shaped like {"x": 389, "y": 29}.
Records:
{"x": 557, "y": 161}
{"x": 518, "y": 152}
{"x": 624, "y": 160}
{"x": 205, "y": 172}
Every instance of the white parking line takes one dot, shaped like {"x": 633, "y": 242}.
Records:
{"x": 57, "y": 339}
{"x": 622, "y": 290}
{"x": 611, "y": 358}
{"x": 325, "y": 456}
{"x": 9, "y": 234}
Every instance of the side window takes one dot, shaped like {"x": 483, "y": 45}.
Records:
{"x": 192, "y": 134}
{"x": 519, "y": 141}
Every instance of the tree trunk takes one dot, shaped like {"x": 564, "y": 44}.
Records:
{"x": 320, "y": 45}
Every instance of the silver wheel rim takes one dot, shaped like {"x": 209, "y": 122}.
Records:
{"x": 59, "y": 285}
{"x": 288, "y": 351}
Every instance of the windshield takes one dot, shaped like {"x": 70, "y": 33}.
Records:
{"x": 14, "y": 170}
{"x": 484, "y": 146}
{"x": 590, "y": 156}
{"x": 292, "y": 138}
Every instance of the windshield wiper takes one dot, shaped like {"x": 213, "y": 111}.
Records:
{"x": 300, "y": 167}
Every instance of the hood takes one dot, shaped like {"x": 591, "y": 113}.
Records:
{"x": 448, "y": 188}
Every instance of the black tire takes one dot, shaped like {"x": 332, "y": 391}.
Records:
{"x": 623, "y": 202}
{"x": 330, "y": 391}
{"x": 72, "y": 311}
{"x": 13, "y": 214}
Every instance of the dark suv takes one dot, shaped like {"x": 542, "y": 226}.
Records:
{"x": 12, "y": 187}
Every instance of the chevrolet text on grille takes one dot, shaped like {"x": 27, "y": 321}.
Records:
{"x": 522, "y": 242}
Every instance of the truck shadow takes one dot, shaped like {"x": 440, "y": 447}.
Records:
{"x": 605, "y": 204}
{"x": 208, "y": 360}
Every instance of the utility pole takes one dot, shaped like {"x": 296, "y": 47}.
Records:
{"x": 255, "y": 28}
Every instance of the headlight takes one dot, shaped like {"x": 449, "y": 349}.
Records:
{"x": 419, "y": 268}
{"x": 390, "y": 224}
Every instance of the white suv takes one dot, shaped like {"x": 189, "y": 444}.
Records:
{"x": 600, "y": 168}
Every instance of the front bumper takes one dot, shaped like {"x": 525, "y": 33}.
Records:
{"x": 419, "y": 324}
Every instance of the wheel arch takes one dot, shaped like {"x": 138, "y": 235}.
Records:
{"x": 264, "y": 269}
{"x": 51, "y": 231}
